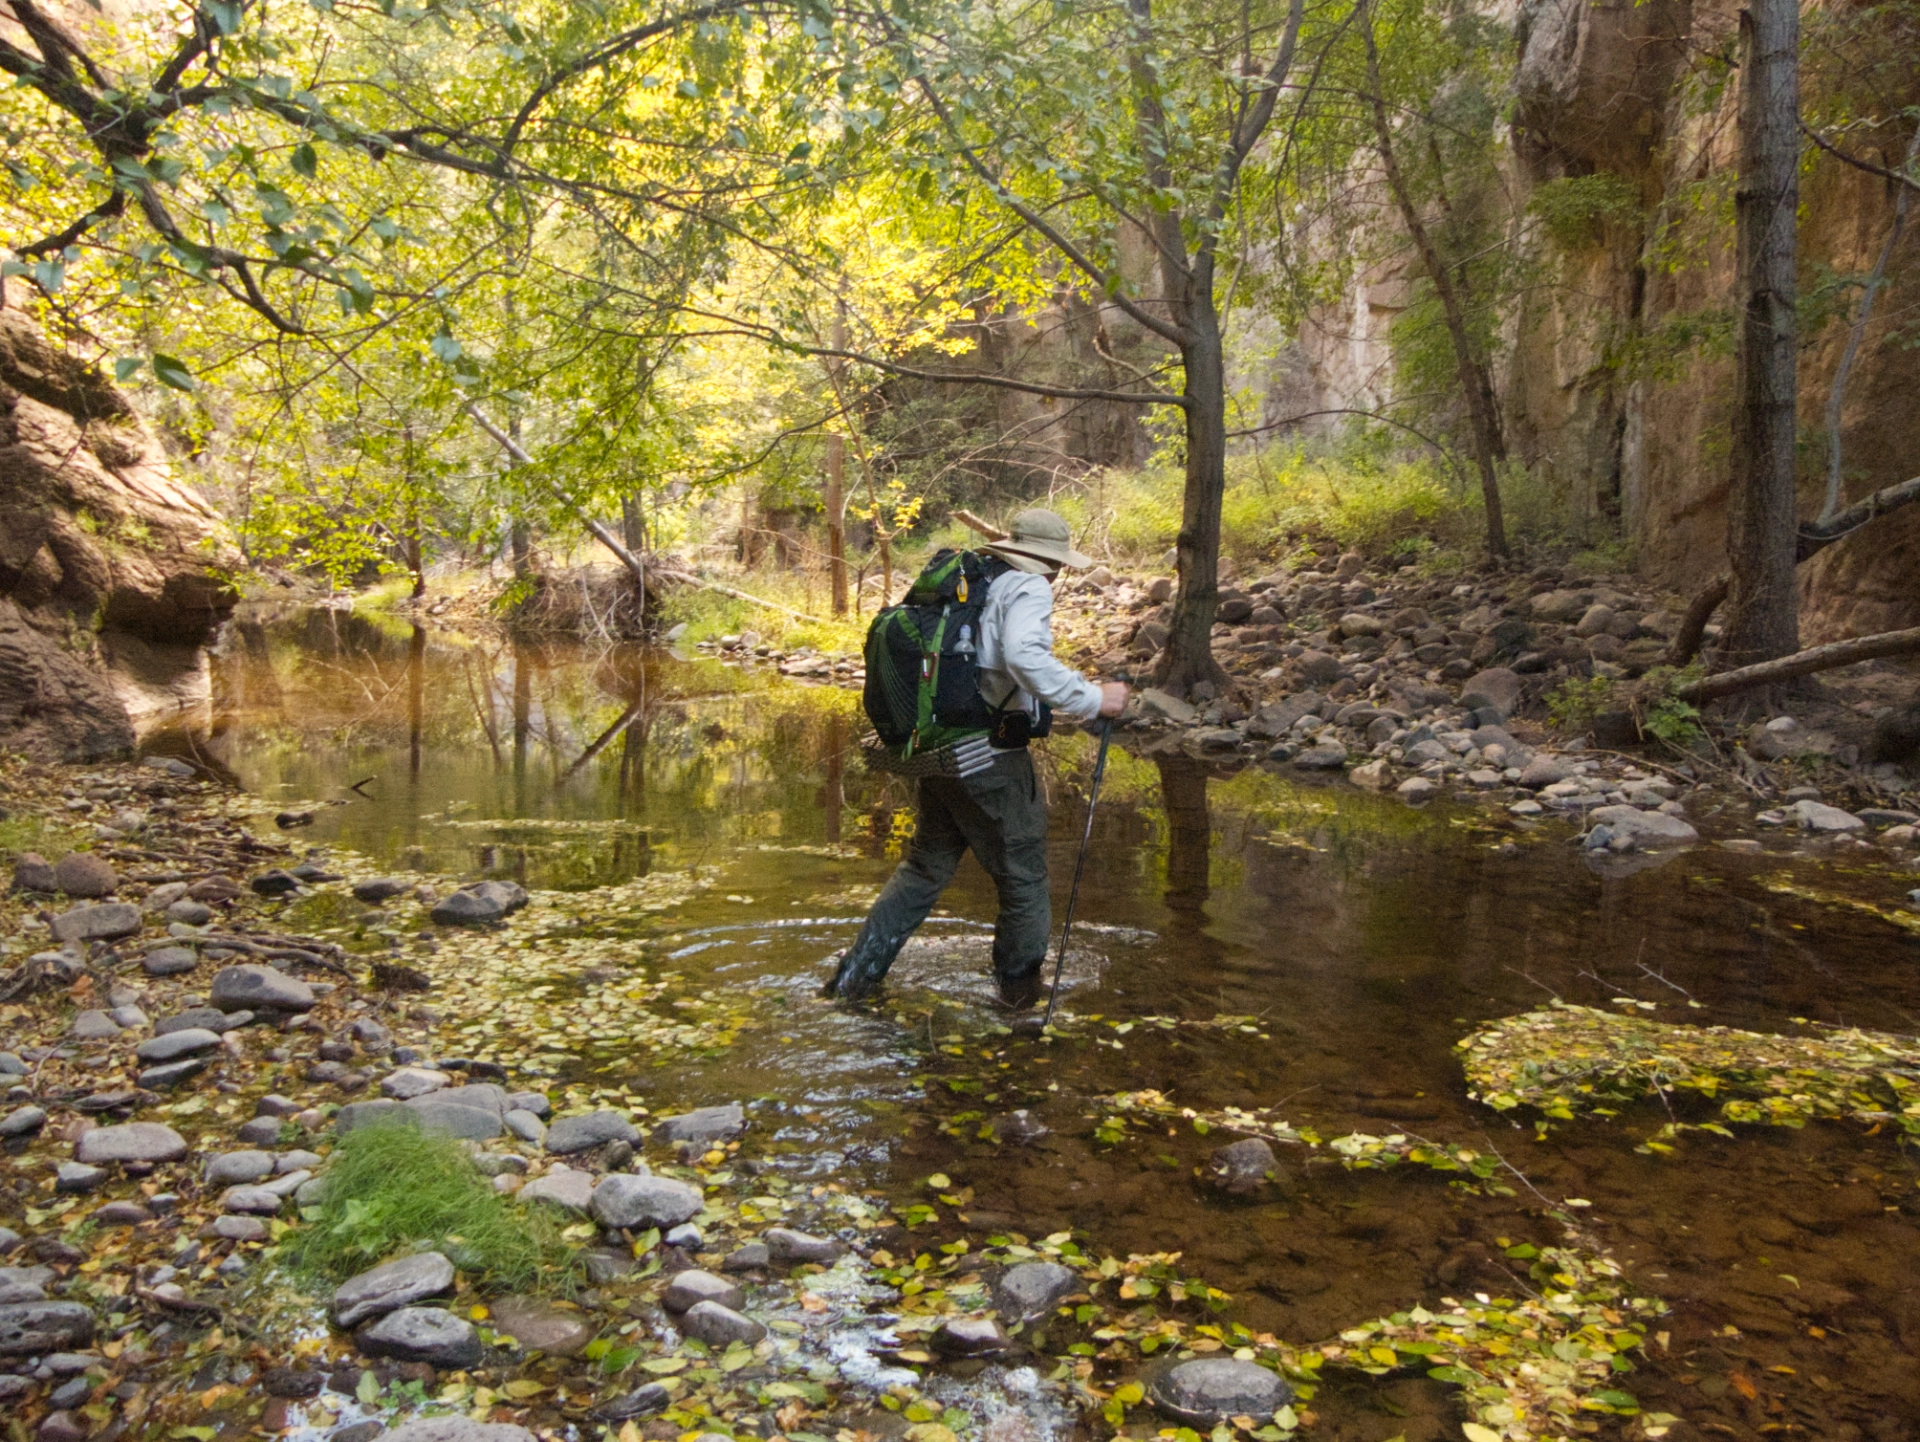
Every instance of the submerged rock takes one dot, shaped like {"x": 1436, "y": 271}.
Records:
{"x": 540, "y": 1326}
{"x": 1243, "y": 1167}
{"x": 708, "y": 1124}
{"x": 720, "y": 1326}
{"x": 579, "y": 1133}
{"x": 422, "y": 1334}
{"x": 390, "y": 1286}
{"x": 1211, "y": 1389}
{"x": 693, "y": 1286}
{"x": 1033, "y": 1289}
{"x": 969, "y": 1337}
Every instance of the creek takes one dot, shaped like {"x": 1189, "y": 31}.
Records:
{"x": 1358, "y": 938}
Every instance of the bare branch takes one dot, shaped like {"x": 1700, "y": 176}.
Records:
{"x": 1802, "y": 663}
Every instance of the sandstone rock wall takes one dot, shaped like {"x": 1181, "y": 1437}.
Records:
{"x": 113, "y": 574}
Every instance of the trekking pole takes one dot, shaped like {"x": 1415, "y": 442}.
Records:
{"x": 1080, "y": 866}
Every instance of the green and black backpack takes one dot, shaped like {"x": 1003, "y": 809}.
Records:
{"x": 923, "y": 679}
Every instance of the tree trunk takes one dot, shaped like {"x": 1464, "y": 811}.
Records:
{"x": 633, "y": 523}
{"x": 416, "y": 697}
{"x": 1763, "y": 604}
{"x": 1474, "y": 376}
{"x": 836, "y": 507}
{"x": 1188, "y": 657}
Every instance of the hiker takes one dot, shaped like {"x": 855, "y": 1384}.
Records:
{"x": 991, "y": 800}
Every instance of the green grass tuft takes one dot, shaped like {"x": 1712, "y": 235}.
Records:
{"x": 391, "y": 1189}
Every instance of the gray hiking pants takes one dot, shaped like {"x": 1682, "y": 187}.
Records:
{"x": 1000, "y": 815}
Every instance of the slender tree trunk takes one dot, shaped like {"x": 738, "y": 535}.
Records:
{"x": 836, "y": 497}
{"x": 1763, "y": 605}
{"x": 1474, "y": 375}
{"x": 633, "y": 523}
{"x": 416, "y": 697}
{"x": 1188, "y": 657}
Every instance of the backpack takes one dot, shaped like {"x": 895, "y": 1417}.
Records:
{"x": 923, "y": 682}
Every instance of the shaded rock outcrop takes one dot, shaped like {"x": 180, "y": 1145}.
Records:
{"x": 113, "y": 574}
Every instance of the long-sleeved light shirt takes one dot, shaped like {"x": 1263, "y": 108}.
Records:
{"x": 1016, "y": 661}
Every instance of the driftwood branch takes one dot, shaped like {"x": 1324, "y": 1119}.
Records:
{"x": 985, "y": 528}
{"x": 1801, "y": 663}
{"x": 1813, "y": 538}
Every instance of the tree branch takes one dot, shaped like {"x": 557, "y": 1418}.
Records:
{"x": 1899, "y": 177}
{"x": 1801, "y": 663}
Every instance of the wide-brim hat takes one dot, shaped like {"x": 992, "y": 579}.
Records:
{"x": 1038, "y": 536}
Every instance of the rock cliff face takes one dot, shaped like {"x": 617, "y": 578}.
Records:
{"x": 1617, "y": 379}
{"x": 112, "y": 573}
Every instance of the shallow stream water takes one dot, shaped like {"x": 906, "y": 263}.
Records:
{"x": 1362, "y": 938}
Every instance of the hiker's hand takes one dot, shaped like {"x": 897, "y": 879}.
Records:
{"x": 1113, "y": 698}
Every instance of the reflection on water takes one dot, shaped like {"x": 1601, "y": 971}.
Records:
{"x": 1366, "y": 938}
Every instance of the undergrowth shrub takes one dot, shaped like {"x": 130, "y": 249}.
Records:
{"x": 392, "y": 1188}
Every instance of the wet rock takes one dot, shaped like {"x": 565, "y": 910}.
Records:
{"x": 1374, "y": 775}
{"x": 252, "y": 1201}
{"x": 693, "y": 1286}
{"x": 93, "y": 1025}
{"x": 1817, "y": 816}
{"x": 22, "y": 1121}
{"x": 130, "y": 1016}
{"x": 1326, "y": 756}
{"x": 1416, "y": 789}
{"x": 706, "y": 1125}
{"x": 1021, "y": 1128}
{"x": 751, "y": 1257}
{"x": 294, "y": 1383}
{"x": 1033, "y": 1289}
{"x": 11, "y": 1064}
{"x": 250, "y": 987}
{"x": 70, "y": 1393}
{"x": 381, "y": 888}
{"x": 81, "y": 873}
{"x": 535, "y": 1102}
{"x": 104, "y": 921}
{"x": 1276, "y": 719}
{"x": 720, "y": 1326}
{"x": 591, "y": 1129}
{"x": 540, "y": 1326}
{"x": 1649, "y": 830}
{"x": 236, "y": 1168}
{"x": 1243, "y": 1167}
{"x": 32, "y": 1329}
{"x": 169, "y": 961}
{"x": 789, "y": 1245}
{"x": 1208, "y": 1390}
{"x": 1214, "y": 738}
{"x": 201, "y": 1018}
{"x": 261, "y": 1131}
{"x": 452, "y": 1429}
{"x": 24, "y": 1284}
{"x": 640, "y": 1402}
{"x": 526, "y": 1126}
{"x": 969, "y": 1337}
{"x": 625, "y": 1200}
{"x": 390, "y": 1286}
{"x": 562, "y": 1187}
{"x": 463, "y": 908}
{"x": 214, "y": 890}
{"x": 686, "y": 1236}
{"x": 1545, "y": 771}
{"x": 607, "y": 1264}
{"x": 275, "y": 883}
{"x": 72, "y": 1177}
{"x": 33, "y": 872}
{"x": 422, "y": 1334}
{"x": 412, "y": 1081}
{"x": 61, "y": 1426}
{"x": 1165, "y": 707}
{"x": 172, "y": 1045}
{"x": 122, "y": 1214}
{"x": 167, "y": 1075}
{"x": 131, "y": 1142}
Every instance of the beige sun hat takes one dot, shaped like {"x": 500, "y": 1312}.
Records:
{"x": 1039, "y": 541}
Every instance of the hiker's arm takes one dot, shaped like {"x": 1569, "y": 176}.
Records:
{"x": 1027, "y": 647}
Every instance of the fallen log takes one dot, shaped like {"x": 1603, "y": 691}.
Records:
{"x": 1801, "y": 663}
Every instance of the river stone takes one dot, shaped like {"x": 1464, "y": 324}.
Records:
{"x": 235, "y": 1228}
{"x": 1818, "y": 816}
{"x": 275, "y": 883}
{"x": 720, "y": 1326}
{"x": 122, "y": 1214}
{"x": 464, "y": 908}
{"x": 422, "y": 1334}
{"x": 577, "y": 1133}
{"x": 24, "y": 1284}
{"x": 263, "y": 1131}
{"x": 232, "y": 1168}
{"x": 1169, "y": 707}
{"x": 10, "y": 1241}
{"x": 131, "y": 1142}
{"x": 708, "y": 1124}
{"x": 1211, "y": 1389}
{"x": 204, "y": 1018}
{"x": 969, "y": 1337}
{"x": 640, "y": 1402}
{"x": 456, "y": 1429}
{"x": 33, "y": 872}
{"x": 71, "y": 1177}
{"x": 1326, "y": 756}
{"x": 21, "y": 1121}
{"x": 169, "y": 1074}
{"x": 32, "y": 1329}
{"x": 535, "y": 1102}
{"x": 101, "y": 922}
{"x": 392, "y": 1285}
{"x": 563, "y": 1187}
{"x": 1033, "y": 1289}
{"x": 130, "y": 1015}
{"x": 169, "y": 961}
{"x": 250, "y": 987}
{"x": 793, "y": 1246}
{"x": 693, "y": 1286}
{"x": 472, "y": 1112}
{"x": 12, "y": 1065}
{"x": 526, "y": 1126}
{"x": 1496, "y": 688}
{"x": 81, "y": 873}
{"x": 253, "y": 1201}
{"x": 748, "y": 1258}
{"x": 1650, "y": 830}
{"x": 93, "y": 1025}
{"x": 1416, "y": 789}
{"x": 625, "y": 1200}
{"x": 172, "y": 1045}
{"x": 189, "y": 912}
{"x": 384, "y": 1112}
{"x": 1243, "y": 1166}
{"x": 296, "y": 1161}
{"x": 1544, "y": 771}
{"x": 539, "y": 1326}
{"x": 377, "y": 889}
{"x": 412, "y": 1081}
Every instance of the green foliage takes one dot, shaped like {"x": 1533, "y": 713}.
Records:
{"x": 25, "y": 831}
{"x": 1662, "y": 712}
{"x": 393, "y": 1188}
{"x": 1576, "y": 208}
{"x": 1573, "y": 704}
